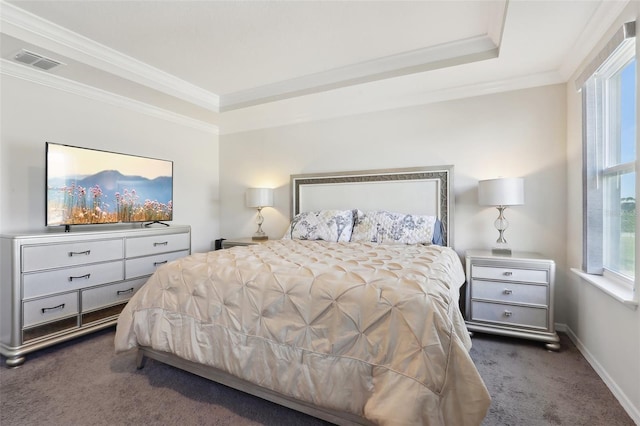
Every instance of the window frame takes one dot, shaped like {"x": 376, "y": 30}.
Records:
{"x": 596, "y": 101}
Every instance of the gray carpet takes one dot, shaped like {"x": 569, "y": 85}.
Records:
{"x": 84, "y": 383}
{"x": 532, "y": 386}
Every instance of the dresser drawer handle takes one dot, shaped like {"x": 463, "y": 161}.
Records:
{"x": 508, "y": 313}
{"x": 507, "y": 291}
{"x": 120, "y": 292}
{"x": 78, "y": 253}
{"x": 507, "y": 273}
{"x": 59, "y": 307}
{"x": 85, "y": 276}
{"x": 159, "y": 263}
{"x": 164, "y": 243}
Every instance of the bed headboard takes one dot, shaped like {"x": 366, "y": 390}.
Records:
{"x": 416, "y": 190}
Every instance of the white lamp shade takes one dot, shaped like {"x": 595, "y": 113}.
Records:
{"x": 501, "y": 192}
{"x": 259, "y": 197}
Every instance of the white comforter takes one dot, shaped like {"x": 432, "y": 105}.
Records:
{"x": 369, "y": 329}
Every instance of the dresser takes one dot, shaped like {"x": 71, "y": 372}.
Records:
{"x": 511, "y": 295}
{"x": 59, "y": 285}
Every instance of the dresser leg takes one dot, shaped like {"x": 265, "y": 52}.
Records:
{"x": 553, "y": 346}
{"x": 15, "y": 361}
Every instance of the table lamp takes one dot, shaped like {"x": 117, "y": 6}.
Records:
{"x": 501, "y": 192}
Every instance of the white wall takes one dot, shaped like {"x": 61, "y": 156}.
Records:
{"x": 32, "y": 114}
{"x": 520, "y": 133}
{"x": 607, "y": 332}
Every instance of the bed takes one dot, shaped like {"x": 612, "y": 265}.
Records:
{"x": 344, "y": 319}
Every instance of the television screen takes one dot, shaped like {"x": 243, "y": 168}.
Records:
{"x": 88, "y": 186}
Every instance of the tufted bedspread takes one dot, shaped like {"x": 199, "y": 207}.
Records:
{"x": 368, "y": 329}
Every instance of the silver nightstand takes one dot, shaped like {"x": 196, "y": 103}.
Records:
{"x": 232, "y": 242}
{"x": 511, "y": 295}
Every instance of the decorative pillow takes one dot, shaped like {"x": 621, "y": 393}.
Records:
{"x": 393, "y": 228}
{"x": 438, "y": 231}
{"x": 327, "y": 225}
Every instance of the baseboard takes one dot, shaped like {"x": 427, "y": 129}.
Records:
{"x": 627, "y": 404}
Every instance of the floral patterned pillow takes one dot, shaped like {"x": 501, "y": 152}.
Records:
{"x": 327, "y": 225}
{"x": 393, "y": 228}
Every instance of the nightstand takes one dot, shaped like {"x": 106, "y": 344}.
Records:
{"x": 241, "y": 242}
{"x": 511, "y": 295}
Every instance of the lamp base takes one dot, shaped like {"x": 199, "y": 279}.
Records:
{"x": 260, "y": 237}
{"x": 501, "y": 252}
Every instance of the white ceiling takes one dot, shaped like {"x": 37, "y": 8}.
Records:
{"x": 197, "y": 58}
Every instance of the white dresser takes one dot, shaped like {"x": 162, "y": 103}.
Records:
{"x": 56, "y": 286}
{"x": 511, "y": 295}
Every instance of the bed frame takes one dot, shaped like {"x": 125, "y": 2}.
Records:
{"x": 424, "y": 190}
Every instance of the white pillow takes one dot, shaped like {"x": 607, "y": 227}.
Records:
{"x": 393, "y": 228}
{"x": 327, "y": 225}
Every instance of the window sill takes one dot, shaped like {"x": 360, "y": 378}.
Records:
{"x": 621, "y": 293}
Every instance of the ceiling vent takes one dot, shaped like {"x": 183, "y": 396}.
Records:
{"x": 36, "y": 60}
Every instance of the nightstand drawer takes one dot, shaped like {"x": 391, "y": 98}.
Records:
{"x": 529, "y": 317}
{"x": 510, "y": 292}
{"x": 510, "y": 274}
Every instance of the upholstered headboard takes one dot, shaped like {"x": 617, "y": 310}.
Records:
{"x": 417, "y": 190}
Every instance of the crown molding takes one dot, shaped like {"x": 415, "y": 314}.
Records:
{"x": 288, "y": 112}
{"x": 30, "y": 28}
{"x": 472, "y": 49}
{"x": 600, "y": 22}
{"x": 493, "y": 87}
{"x": 23, "y": 72}
{"x": 445, "y": 55}
{"x": 497, "y": 21}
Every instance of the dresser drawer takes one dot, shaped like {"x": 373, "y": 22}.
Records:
{"x": 106, "y": 295}
{"x": 57, "y": 281}
{"x": 510, "y": 292}
{"x": 529, "y": 317}
{"x": 147, "y": 265}
{"x": 144, "y": 246}
{"x": 510, "y": 274}
{"x": 50, "y": 308}
{"x": 35, "y": 258}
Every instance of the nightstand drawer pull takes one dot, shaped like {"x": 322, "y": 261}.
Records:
{"x": 160, "y": 263}
{"x": 507, "y": 273}
{"x": 508, "y": 313}
{"x": 507, "y": 291}
{"x": 60, "y": 306}
{"x": 85, "y": 276}
{"x": 164, "y": 243}
{"x": 120, "y": 292}
{"x": 76, "y": 253}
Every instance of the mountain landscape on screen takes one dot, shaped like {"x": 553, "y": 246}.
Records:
{"x": 108, "y": 197}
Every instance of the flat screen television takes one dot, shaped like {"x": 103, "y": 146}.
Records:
{"x": 88, "y": 186}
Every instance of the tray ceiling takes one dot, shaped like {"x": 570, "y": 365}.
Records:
{"x": 199, "y": 58}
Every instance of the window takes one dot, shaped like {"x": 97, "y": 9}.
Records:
{"x": 610, "y": 104}
{"x": 618, "y": 174}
